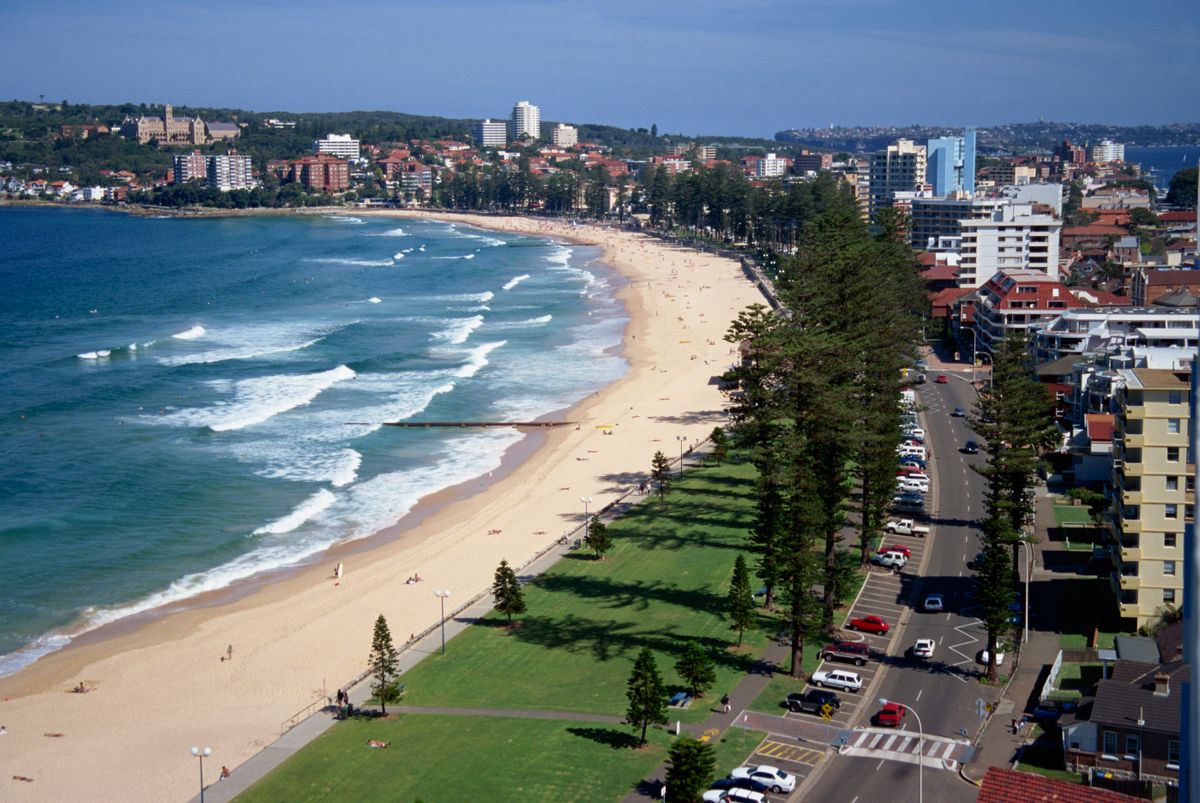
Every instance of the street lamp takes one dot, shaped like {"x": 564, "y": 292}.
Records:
{"x": 920, "y": 752}
{"x": 587, "y": 500}
{"x": 682, "y": 439}
{"x": 441, "y": 595}
{"x": 1028, "y": 571}
{"x": 971, "y": 332}
{"x": 201, "y": 753}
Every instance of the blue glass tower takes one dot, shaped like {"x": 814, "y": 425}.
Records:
{"x": 951, "y": 163}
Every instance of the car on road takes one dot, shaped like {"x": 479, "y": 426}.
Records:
{"x": 856, "y": 652}
{"x": 868, "y": 624}
{"x": 923, "y": 649}
{"x": 837, "y": 679}
{"x": 780, "y": 782}
{"x": 934, "y": 603}
{"x": 901, "y": 548}
{"x": 725, "y": 784}
{"x": 812, "y": 701}
{"x": 970, "y": 447}
{"x": 941, "y": 379}
{"x": 889, "y": 560}
{"x": 973, "y": 563}
{"x": 983, "y": 658}
{"x": 958, "y": 412}
{"x": 891, "y": 715}
{"x": 735, "y": 795}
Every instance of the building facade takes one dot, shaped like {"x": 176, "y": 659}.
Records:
{"x": 932, "y": 219}
{"x": 1108, "y": 151}
{"x": 1017, "y": 301}
{"x": 1153, "y": 491}
{"x": 771, "y": 166}
{"x": 230, "y": 171}
{"x": 342, "y": 146}
{"x": 491, "y": 133}
{"x": 1013, "y": 238}
{"x": 809, "y": 162}
{"x": 898, "y": 168}
{"x": 322, "y": 172}
{"x": 950, "y": 163}
{"x": 190, "y": 167}
{"x": 564, "y": 136}
{"x": 166, "y": 130}
{"x": 1088, "y": 331}
{"x": 526, "y": 120}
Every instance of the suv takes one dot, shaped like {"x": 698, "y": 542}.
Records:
{"x": 854, "y": 652}
{"x": 812, "y": 701}
{"x": 838, "y": 679}
{"x": 891, "y": 560}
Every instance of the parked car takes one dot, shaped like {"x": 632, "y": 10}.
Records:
{"x": 958, "y": 412}
{"x": 750, "y": 784}
{"x": 923, "y": 649}
{"x": 812, "y": 701}
{"x": 856, "y": 652}
{"x": 838, "y": 679}
{"x": 912, "y": 473}
{"x": 983, "y": 658}
{"x": 970, "y": 447}
{"x": 868, "y": 624}
{"x": 735, "y": 795}
{"x": 891, "y": 715}
{"x": 914, "y": 484}
{"x": 934, "y": 603}
{"x": 890, "y": 560}
{"x": 915, "y": 432}
{"x": 906, "y": 527}
{"x": 779, "y": 781}
{"x": 912, "y": 460}
{"x": 901, "y": 548}
{"x": 941, "y": 379}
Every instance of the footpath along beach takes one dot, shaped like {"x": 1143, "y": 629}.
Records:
{"x": 156, "y": 689}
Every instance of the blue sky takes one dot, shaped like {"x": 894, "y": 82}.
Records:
{"x": 748, "y": 67}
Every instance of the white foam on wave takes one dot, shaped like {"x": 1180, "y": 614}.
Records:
{"x": 346, "y": 219}
{"x": 359, "y": 263}
{"x": 399, "y": 255}
{"x": 94, "y": 355}
{"x": 309, "y": 508}
{"x": 259, "y": 399}
{"x": 530, "y": 323}
{"x": 396, "y": 232}
{"x": 457, "y": 257}
{"x": 560, "y": 258}
{"x": 491, "y": 242}
{"x": 477, "y": 359}
{"x": 190, "y": 334}
{"x": 483, "y": 297}
{"x": 374, "y": 300}
{"x": 514, "y": 281}
{"x": 477, "y": 308}
{"x": 248, "y": 341}
{"x": 458, "y": 331}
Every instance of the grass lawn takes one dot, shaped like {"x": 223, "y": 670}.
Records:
{"x": 449, "y": 759}
{"x": 1070, "y": 514}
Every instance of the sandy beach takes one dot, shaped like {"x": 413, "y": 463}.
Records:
{"x": 167, "y": 684}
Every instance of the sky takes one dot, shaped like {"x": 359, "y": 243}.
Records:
{"x": 736, "y": 67}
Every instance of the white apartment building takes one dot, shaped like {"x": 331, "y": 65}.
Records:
{"x": 526, "y": 120}
{"x": 899, "y": 168}
{"x": 342, "y": 146}
{"x": 1108, "y": 151}
{"x": 1091, "y": 330}
{"x": 491, "y": 133}
{"x": 564, "y": 136}
{"x": 230, "y": 171}
{"x": 770, "y": 166}
{"x": 1013, "y": 238}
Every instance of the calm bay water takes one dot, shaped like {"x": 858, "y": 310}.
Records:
{"x": 187, "y": 403}
{"x": 1165, "y": 162}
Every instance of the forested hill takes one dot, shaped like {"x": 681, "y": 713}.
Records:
{"x": 1009, "y": 138}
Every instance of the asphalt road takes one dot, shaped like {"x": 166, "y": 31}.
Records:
{"x": 944, "y": 692}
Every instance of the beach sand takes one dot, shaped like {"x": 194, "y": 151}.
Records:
{"x": 163, "y": 686}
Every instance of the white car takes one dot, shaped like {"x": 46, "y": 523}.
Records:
{"x": 837, "y": 679}
{"x": 911, "y": 484}
{"x": 983, "y": 658}
{"x": 734, "y": 795}
{"x": 891, "y": 560}
{"x": 923, "y": 648}
{"x": 915, "y": 432}
{"x": 934, "y": 603}
{"x": 779, "y": 781}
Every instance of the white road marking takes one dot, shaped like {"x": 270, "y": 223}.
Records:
{"x": 919, "y": 693}
{"x": 880, "y": 764}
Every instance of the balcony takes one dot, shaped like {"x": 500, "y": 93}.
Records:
{"x": 1134, "y": 440}
{"x": 1129, "y": 610}
{"x": 1131, "y": 498}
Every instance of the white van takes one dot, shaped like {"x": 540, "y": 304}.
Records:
{"x": 911, "y": 451}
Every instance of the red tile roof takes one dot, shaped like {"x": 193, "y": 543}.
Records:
{"x": 1172, "y": 278}
{"x": 1099, "y": 426}
{"x": 1009, "y": 786}
{"x": 1093, "y": 231}
{"x": 940, "y": 273}
{"x": 1178, "y": 217}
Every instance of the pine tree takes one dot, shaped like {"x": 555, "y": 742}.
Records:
{"x": 646, "y": 694}
{"x": 597, "y": 537}
{"x": 506, "y": 591}
{"x": 740, "y": 602}
{"x": 382, "y": 663}
{"x": 720, "y": 442}
{"x": 691, "y": 768}
{"x": 696, "y": 669}
{"x": 660, "y": 472}
{"x": 994, "y": 591}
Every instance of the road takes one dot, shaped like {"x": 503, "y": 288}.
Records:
{"x": 943, "y": 692}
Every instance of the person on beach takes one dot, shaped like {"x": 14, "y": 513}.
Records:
{"x": 225, "y": 773}
{"x": 337, "y": 573}
{"x": 229, "y": 651}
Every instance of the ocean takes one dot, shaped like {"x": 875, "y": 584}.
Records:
{"x": 1165, "y": 162}
{"x": 185, "y": 404}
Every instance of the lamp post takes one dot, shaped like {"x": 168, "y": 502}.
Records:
{"x": 441, "y": 595}
{"x": 1028, "y": 571}
{"x": 988, "y": 357}
{"x": 920, "y": 751}
{"x": 682, "y": 439}
{"x": 587, "y": 500}
{"x": 971, "y": 332}
{"x": 201, "y": 753}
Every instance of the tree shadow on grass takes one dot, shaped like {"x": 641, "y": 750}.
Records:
{"x": 617, "y": 740}
{"x": 638, "y": 595}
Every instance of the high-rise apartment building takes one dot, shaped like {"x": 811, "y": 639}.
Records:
{"x": 1108, "y": 151}
{"x": 491, "y": 133}
{"x": 230, "y": 171}
{"x": 950, "y": 164}
{"x": 321, "y": 172}
{"x": 1154, "y": 494}
{"x": 931, "y": 219}
{"x": 190, "y": 167}
{"x": 564, "y": 136}
{"x": 342, "y": 146}
{"x": 1012, "y": 238}
{"x": 899, "y": 168}
{"x": 771, "y": 166}
{"x": 526, "y": 120}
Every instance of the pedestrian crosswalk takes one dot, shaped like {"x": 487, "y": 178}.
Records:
{"x": 940, "y": 752}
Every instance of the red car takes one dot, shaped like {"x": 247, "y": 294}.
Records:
{"x": 901, "y": 548}
{"x": 941, "y": 379}
{"x": 868, "y": 624}
{"x": 891, "y": 715}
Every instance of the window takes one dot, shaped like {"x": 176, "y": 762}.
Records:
{"x": 1175, "y": 396}
{"x": 1110, "y": 743}
{"x": 1172, "y": 483}
{"x": 1169, "y": 596}
{"x": 1169, "y": 540}
{"x": 1173, "y": 753}
{"x": 1169, "y": 568}
{"x": 1172, "y": 454}
{"x": 1132, "y": 742}
{"x": 1171, "y": 511}
{"x": 1173, "y": 426}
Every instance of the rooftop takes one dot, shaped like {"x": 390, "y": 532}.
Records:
{"x": 1009, "y": 786}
